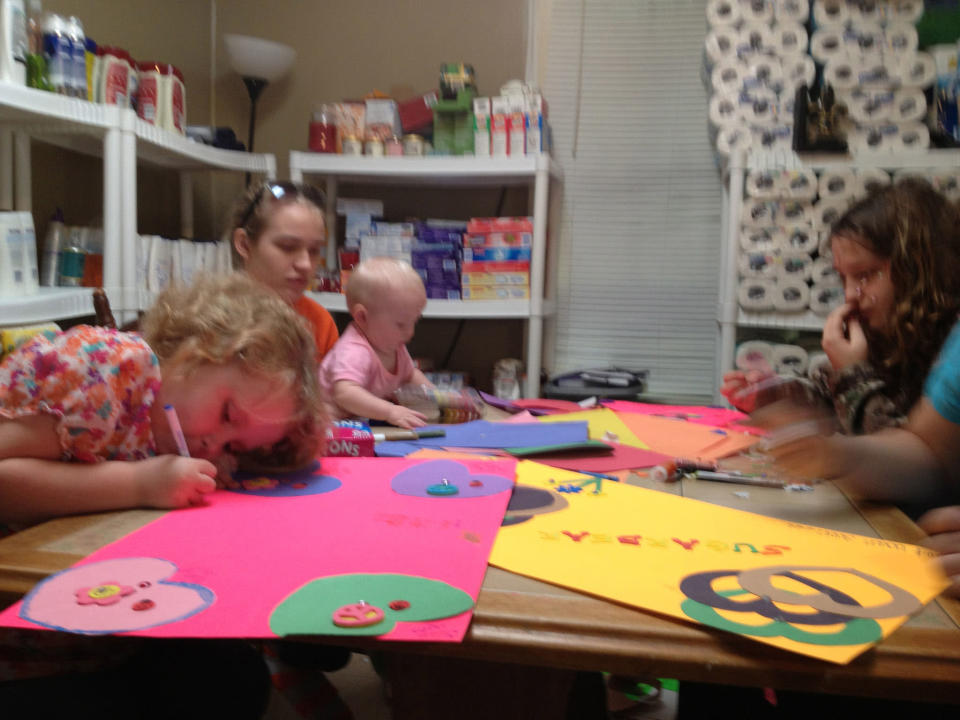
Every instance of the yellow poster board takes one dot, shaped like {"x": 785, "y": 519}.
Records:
{"x": 822, "y": 593}
{"x": 600, "y": 422}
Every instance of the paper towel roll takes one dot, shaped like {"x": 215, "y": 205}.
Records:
{"x": 798, "y": 70}
{"x": 791, "y": 296}
{"x": 865, "y": 41}
{"x": 873, "y": 138}
{"x": 789, "y": 359}
{"x": 760, "y": 239}
{"x": 758, "y": 212}
{"x": 841, "y": 73}
{"x": 822, "y": 272}
{"x": 756, "y": 294}
{"x": 790, "y": 39}
{"x": 757, "y": 265}
{"x": 763, "y": 183}
{"x": 817, "y": 362}
{"x": 870, "y": 11}
{"x": 917, "y": 70}
{"x": 909, "y": 11}
{"x": 824, "y": 247}
{"x": 871, "y": 179}
{"x": 801, "y": 238}
{"x": 727, "y": 76}
{"x": 947, "y": 182}
{"x": 754, "y": 39}
{"x": 721, "y": 44}
{"x": 733, "y": 139}
{"x": 919, "y": 173}
{"x": 724, "y": 110}
{"x": 797, "y": 11}
{"x": 794, "y": 267}
{"x": 795, "y": 212}
{"x": 800, "y": 184}
{"x": 901, "y": 39}
{"x": 772, "y": 138}
{"x": 909, "y": 105}
{"x": 868, "y": 106}
{"x": 827, "y": 212}
{"x": 758, "y": 106}
{"x": 830, "y": 12}
{"x": 846, "y": 74}
{"x": 911, "y": 137}
{"x": 827, "y": 44}
{"x": 723, "y": 13}
{"x": 825, "y": 297}
{"x": 754, "y": 355}
{"x": 764, "y": 71}
{"x": 756, "y": 11}
{"x": 836, "y": 183}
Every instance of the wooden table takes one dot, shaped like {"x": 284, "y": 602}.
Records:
{"x": 529, "y": 634}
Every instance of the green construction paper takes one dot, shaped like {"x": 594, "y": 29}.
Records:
{"x": 309, "y": 609}
{"x": 597, "y": 446}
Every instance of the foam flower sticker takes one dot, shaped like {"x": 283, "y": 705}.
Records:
{"x": 295, "y": 483}
{"x": 424, "y": 479}
{"x": 259, "y": 483}
{"x": 106, "y": 593}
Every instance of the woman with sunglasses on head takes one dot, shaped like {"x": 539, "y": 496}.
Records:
{"x": 897, "y": 253}
{"x": 278, "y": 235}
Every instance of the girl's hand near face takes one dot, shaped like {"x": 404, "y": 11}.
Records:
{"x": 171, "y": 481}
{"x": 736, "y": 388}
{"x": 843, "y": 339}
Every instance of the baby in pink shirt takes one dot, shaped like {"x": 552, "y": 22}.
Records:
{"x": 370, "y": 361}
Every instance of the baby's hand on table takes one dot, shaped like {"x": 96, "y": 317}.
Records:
{"x": 404, "y": 417}
{"x": 943, "y": 527}
{"x": 843, "y": 339}
{"x": 172, "y": 481}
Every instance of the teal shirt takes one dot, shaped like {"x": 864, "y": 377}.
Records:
{"x": 943, "y": 383}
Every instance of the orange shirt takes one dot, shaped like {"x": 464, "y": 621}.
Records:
{"x": 324, "y": 329}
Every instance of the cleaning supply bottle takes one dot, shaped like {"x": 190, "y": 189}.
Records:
{"x": 36, "y": 62}
{"x": 13, "y": 42}
{"x": 52, "y": 245}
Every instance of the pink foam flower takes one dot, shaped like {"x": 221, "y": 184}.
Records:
{"x": 106, "y": 593}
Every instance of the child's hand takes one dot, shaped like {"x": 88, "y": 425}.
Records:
{"x": 943, "y": 527}
{"x": 171, "y": 481}
{"x": 843, "y": 339}
{"x": 735, "y": 388}
{"x": 404, "y": 417}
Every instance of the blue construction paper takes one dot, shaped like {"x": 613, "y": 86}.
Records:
{"x": 486, "y": 434}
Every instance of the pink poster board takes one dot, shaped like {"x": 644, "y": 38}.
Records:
{"x": 378, "y": 547}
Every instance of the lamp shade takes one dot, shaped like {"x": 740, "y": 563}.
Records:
{"x": 257, "y": 58}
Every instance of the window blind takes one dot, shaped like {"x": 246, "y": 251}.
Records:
{"x": 638, "y": 240}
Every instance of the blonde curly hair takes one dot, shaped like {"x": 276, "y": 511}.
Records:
{"x": 224, "y": 319}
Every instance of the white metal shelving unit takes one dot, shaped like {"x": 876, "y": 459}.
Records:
{"x": 467, "y": 171}
{"x": 729, "y": 315}
{"x": 122, "y": 140}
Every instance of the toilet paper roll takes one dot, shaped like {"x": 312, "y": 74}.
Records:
{"x": 825, "y": 297}
{"x": 796, "y": 212}
{"x": 754, "y": 355}
{"x": 756, "y": 294}
{"x": 760, "y": 239}
{"x": 764, "y": 71}
{"x": 901, "y": 39}
{"x": 916, "y": 70}
{"x": 772, "y": 138}
{"x": 757, "y": 265}
{"x": 911, "y": 137}
{"x": 830, "y": 13}
{"x": 827, "y": 212}
{"x": 724, "y": 110}
{"x": 800, "y": 184}
{"x": 791, "y": 296}
{"x": 822, "y": 272}
{"x": 824, "y": 247}
{"x": 919, "y": 173}
{"x": 733, "y": 139}
{"x": 870, "y": 180}
{"x": 753, "y": 40}
{"x": 721, "y": 44}
{"x": 763, "y": 183}
{"x": 758, "y": 106}
{"x": 873, "y": 139}
{"x": 869, "y": 106}
{"x": 864, "y": 41}
{"x": 794, "y": 267}
{"x": 827, "y": 44}
{"x": 790, "y": 39}
{"x": 866, "y": 12}
{"x": 817, "y": 363}
{"x": 909, "y": 105}
{"x": 946, "y": 182}
{"x": 798, "y": 70}
{"x": 840, "y": 183}
{"x": 723, "y": 13}
{"x": 758, "y": 212}
{"x": 841, "y": 73}
{"x": 727, "y": 76}
{"x": 797, "y": 11}
{"x": 800, "y": 239}
{"x": 788, "y": 101}
{"x": 908, "y": 11}
{"x": 756, "y": 11}
{"x": 846, "y": 74}
{"x": 789, "y": 359}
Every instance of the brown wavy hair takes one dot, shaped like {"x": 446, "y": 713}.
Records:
{"x": 224, "y": 319}
{"x": 918, "y": 230}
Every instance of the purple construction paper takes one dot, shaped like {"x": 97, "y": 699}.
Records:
{"x": 485, "y": 434}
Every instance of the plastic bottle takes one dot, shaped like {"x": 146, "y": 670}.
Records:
{"x": 72, "y": 259}
{"x": 58, "y": 53}
{"x": 78, "y": 57}
{"x": 52, "y": 245}
{"x": 13, "y": 42}
{"x": 36, "y": 62}
{"x": 442, "y": 406}
{"x": 31, "y": 275}
{"x": 93, "y": 262}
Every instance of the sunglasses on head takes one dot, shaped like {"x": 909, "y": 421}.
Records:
{"x": 281, "y": 189}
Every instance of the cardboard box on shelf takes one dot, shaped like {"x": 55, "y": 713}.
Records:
{"x": 416, "y": 114}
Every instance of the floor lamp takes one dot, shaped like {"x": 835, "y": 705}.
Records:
{"x": 258, "y": 62}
